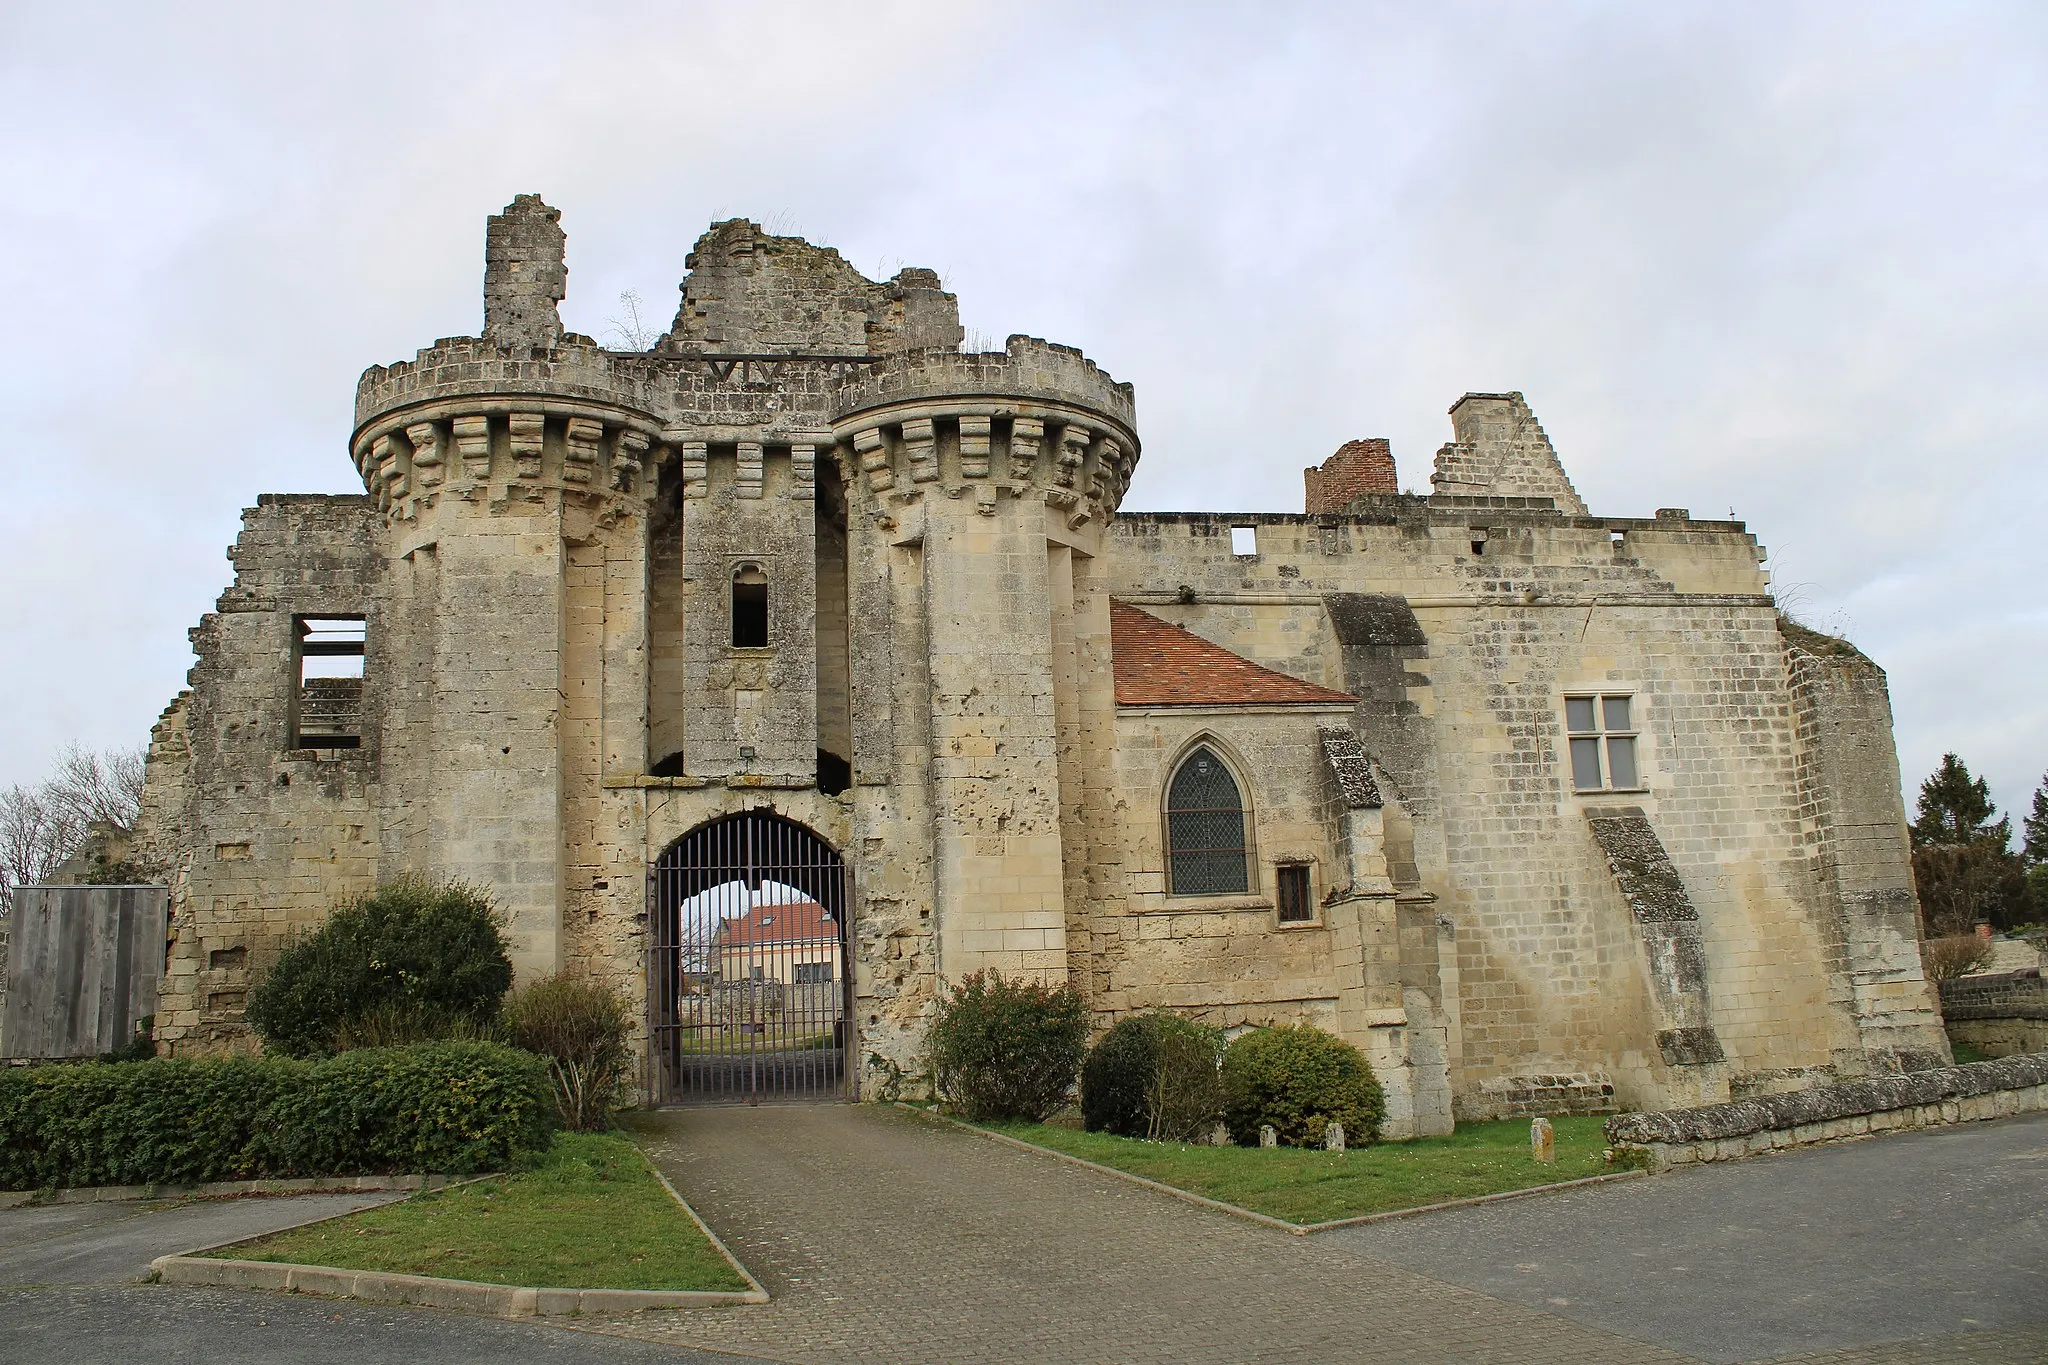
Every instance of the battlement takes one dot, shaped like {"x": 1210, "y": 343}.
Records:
{"x": 1027, "y": 367}
{"x": 574, "y": 367}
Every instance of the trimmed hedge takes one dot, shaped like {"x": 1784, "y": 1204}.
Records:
{"x": 448, "y": 1108}
{"x": 1300, "y": 1080}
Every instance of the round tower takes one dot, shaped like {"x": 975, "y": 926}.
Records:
{"x": 978, "y": 487}
{"x": 513, "y": 472}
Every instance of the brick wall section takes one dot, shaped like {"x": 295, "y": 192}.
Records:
{"x": 1358, "y": 469}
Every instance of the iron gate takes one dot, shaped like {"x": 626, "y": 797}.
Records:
{"x": 747, "y": 984}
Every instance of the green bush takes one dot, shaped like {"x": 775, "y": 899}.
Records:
{"x": 412, "y": 949}
{"x": 1007, "y": 1049}
{"x": 1153, "y": 1076}
{"x": 439, "y": 1107}
{"x": 582, "y": 1026}
{"x": 1300, "y": 1080}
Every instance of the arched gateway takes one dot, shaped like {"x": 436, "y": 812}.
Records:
{"x": 747, "y": 965}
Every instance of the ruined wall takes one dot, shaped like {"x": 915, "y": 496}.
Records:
{"x": 1518, "y": 604}
{"x": 1855, "y": 816}
{"x": 271, "y": 836}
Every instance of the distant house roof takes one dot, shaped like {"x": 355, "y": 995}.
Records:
{"x": 1160, "y": 664}
{"x": 793, "y": 922}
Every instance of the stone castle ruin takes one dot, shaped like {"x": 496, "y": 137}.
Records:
{"x": 1547, "y": 812}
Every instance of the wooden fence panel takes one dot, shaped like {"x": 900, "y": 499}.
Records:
{"x": 82, "y": 968}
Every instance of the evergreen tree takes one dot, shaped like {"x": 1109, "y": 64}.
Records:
{"x": 1955, "y": 808}
{"x": 2036, "y": 827}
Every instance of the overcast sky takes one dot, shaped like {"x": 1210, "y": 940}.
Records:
{"x": 1789, "y": 260}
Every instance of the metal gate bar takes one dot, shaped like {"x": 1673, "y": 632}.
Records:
{"x": 747, "y": 984}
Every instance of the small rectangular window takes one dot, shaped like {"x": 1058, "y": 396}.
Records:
{"x": 327, "y": 700}
{"x": 749, "y": 609}
{"x": 1296, "y": 898}
{"x": 813, "y": 973}
{"x": 1603, "y": 743}
{"x": 1244, "y": 541}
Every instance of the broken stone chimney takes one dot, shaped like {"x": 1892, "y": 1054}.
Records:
{"x": 1359, "y": 468}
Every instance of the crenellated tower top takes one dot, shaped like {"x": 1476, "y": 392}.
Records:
{"x": 778, "y": 346}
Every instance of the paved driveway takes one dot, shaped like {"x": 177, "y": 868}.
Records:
{"x": 886, "y": 1237}
{"x": 1917, "y": 1235}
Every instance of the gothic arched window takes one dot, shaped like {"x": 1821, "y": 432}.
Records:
{"x": 1205, "y": 829}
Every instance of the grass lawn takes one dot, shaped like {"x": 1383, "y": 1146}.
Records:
{"x": 1304, "y": 1186}
{"x": 587, "y": 1214}
{"x": 1968, "y": 1052}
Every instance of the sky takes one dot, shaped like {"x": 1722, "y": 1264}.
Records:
{"x": 1787, "y": 261}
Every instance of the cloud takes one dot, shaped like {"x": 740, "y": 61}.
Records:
{"x": 1784, "y": 259}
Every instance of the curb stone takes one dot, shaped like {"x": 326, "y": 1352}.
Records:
{"x": 233, "y": 1189}
{"x": 1252, "y": 1215}
{"x": 195, "y": 1269}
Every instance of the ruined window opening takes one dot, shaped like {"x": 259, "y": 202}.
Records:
{"x": 1479, "y": 547}
{"x": 1294, "y": 893}
{"x": 327, "y": 695}
{"x": 749, "y": 608}
{"x": 835, "y": 774}
{"x": 1603, "y": 743}
{"x": 1244, "y": 541}
{"x": 1206, "y": 853}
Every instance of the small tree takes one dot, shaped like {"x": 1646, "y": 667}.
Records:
{"x": 1153, "y": 1075}
{"x": 2034, "y": 829}
{"x": 1001, "y": 1049}
{"x": 430, "y": 954}
{"x": 1955, "y": 808}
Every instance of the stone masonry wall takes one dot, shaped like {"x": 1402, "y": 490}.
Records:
{"x": 1519, "y": 604}
{"x": 272, "y": 837}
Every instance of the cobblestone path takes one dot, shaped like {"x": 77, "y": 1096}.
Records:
{"x": 886, "y": 1237}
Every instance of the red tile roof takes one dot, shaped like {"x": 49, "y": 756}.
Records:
{"x": 790, "y": 922}
{"x": 1160, "y": 664}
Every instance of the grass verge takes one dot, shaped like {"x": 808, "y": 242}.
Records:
{"x": 586, "y": 1214}
{"x": 1303, "y": 1186}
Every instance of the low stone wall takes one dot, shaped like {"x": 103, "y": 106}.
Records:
{"x": 2004, "y": 1013}
{"x": 1919, "y": 1099}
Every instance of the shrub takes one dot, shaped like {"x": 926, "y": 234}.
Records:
{"x": 1300, "y": 1080}
{"x": 1953, "y": 955}
{"x": 1153, "y": 1076}
{"x": 1007, "y": 1049}
{"x": 433, "y": 951}
{"x": 441, "y": 1107}
{"x": 582, "y": 1027}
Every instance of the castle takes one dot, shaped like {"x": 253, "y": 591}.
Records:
{"x": 1547, "y": 812}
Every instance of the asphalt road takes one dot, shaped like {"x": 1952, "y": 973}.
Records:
{"x": 1898, "y": 1238}
{"x": 161, "y": 1326}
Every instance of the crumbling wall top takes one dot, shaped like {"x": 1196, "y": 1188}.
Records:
{"x": 750, "y": 292}
{"x": 1499, "y": 449}
{"x": 525, "y": 274}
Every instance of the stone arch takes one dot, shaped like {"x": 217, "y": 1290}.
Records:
{"x": 748, "y": 988}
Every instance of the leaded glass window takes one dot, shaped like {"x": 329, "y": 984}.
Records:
{"x": 1205, "y": 844}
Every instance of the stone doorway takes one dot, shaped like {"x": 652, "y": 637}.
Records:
{"x": 747, "y": 966}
